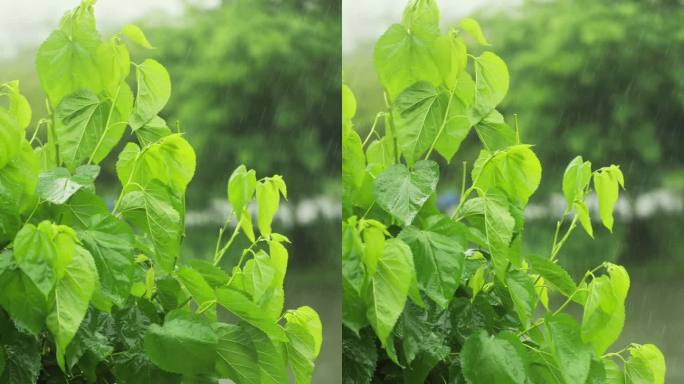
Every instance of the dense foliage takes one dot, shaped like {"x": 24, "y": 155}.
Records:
{"x": 435, "y": 297}
{"x": 92, "y": 294}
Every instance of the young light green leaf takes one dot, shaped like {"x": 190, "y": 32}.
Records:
{"x": 472, "y": 27}
{"x": 66, "y": 60}
{"x": 582, "y": 213}
{"x": 516, "y": 171}
{"x": 114, "y": 64}
{"x": 304, "y": 332}
{"x": 171, "y": 161}
{"x": 69, "y": 302}
{"x": 348, "y": 103}
{"x": 403, "y": 58}
{"x": 494, "y": 133}
{"x": 44, "y": 252}
{"x": 604, "y": 310}
{"x": 450, "y": 56}
{"x": 353, "y": 166}
{"x": 402, "y": 191}
{"x": 153, "y": 92}
{"x": 136, "y": 35}
{"x": 268, "y": 198}
{"x": 494, "y": 359}
{"x": 153, "y": 131}
{"x": 19, "y": 107}
{"x": 571, "y": 354}
{"x": 259, "y": 274}
{"x": 491, "y": 83}
{"x": 646, "y": 365}
{"x": 606, "y": 182}
{"x": 185, "y": 344}
{"x": 241, "y": 187}
{"x": 576, "y": 179}
{"x": 389, "y": 288}
{"x": 10, "y": 137}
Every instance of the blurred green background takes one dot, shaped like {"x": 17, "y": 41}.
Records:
{"x": 600, "y": 78}
{"x": 254, "y": 82}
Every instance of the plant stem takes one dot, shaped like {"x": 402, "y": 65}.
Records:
{"x": 375, "y": 122}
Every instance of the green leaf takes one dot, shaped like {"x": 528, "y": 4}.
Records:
{"x": 114, "y": 62}
{"x": 353, "y": 276}
{"x": 241, "y": 187}
{"x": 304, "y": 332}
{"x": 66, "y": 60}
{"x": 359, "y": 357}
{"x": 646, "y": 365}
{"x": 171, "y": 160}
{"x": 450, "y": 55}
{"x": 157, "y": 211}
{"x": 402, "y": 191}
{"x": 576, "y": 179}
{"x": 583, "y": 214}
{"x": 152, "y": 94}
{"x": 243, "y": 307}
{"x": 110, "y": 242}
{"x": 69, "y": 302}
{"x": 348, "y": 103}
{"x": 606, "y": 181}
{"x": 136, "y": 35}
{"x": 491, "y": 83}
{"x": 571, "y": 354}
{"x": 457, "y": 123}
{"x": 353, "y": 166}
{"x": 134, "y": 367}
{"x": 521, "y": 287}
{"x": 496, "y": 359}
{"x": 18, "y": 180}
{"x": 58, "y": 184}
{"x": 494, "y": 133}
{"x": 438, "y": 260}
{"x": 472, "y": 27}
{"x": 198, "y": 287}
{"x": 44, "y": 252}
{"x": 88, "y": 128}
{"x": 21, "y": 298}
{"x": 153, "y": 131}
{"x": 553, "y": 274}
{"x": 246, "y": 355}
{"x": 418, "y": 113}
{"x": 19, "y": 107}
{"x": 389, "y": 288}
{"x": 604, "y": 311}
{"x": 499, "y": 225}
{"x": 516, "y": 171}
{"x": 402, "y": 58}
{"x": 23, "y": 357}
{"x": 10, "y": 137}
{"x": 185, "y": 344}
{"x": 259, "y": 274}
{"x": 268, "y": 198}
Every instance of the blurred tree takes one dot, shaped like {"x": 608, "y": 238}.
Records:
{"x": 602, "y": 78}
{"x": 257, "y": 82}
